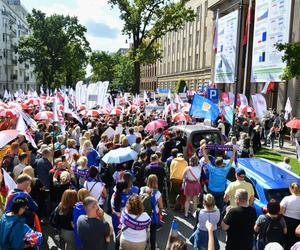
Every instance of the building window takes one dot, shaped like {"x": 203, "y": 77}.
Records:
{"x": 198, "y": 14}
{"x": 3, "y": 37}
{"x": 197, "y": 37}
{"x": 190, "y": 41}
{"x": 190, "y": 63}
{"x": 197, "y": 61}
{"x": 20, "y": 73}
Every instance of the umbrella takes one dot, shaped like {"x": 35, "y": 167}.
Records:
{"x": 116, "y": 111}
{"x": 120, "y": 155}
{"x": 179, "y": 117}
{"x": 10, "y": 113}
{"x": 44, "y": 115}
{"x": 7, "y": 136}
{"x": 152, "y": 126}
{"x": 295, "y": 123}
{"x": 3, "y": 105}
{"x": 91, "y": 112}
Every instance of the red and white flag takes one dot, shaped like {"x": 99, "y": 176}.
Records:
{"x": 23, "y": 129}
{"x": 215, "y": 44}
{"x": 268, "y": 86}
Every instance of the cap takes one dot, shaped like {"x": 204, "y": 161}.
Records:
{"x": 240, "y": 172}
{"x": 273, "y": 246}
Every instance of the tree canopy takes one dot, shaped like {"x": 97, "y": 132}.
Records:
{"x": 57, "y": 47}
{"x": 145, "y": 21}
{"x": 292, "y": 57}
{"x": 116, "y": 68}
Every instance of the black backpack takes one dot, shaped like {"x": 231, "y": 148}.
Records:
{"x": 272, "y": 231}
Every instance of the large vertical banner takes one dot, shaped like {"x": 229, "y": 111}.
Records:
{"x": 226, "y": 49}
{"x": 272, "y": 25}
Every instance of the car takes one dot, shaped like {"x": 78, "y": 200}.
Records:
{"x": 269, "y": 181}
{"x": 193, "y": 134}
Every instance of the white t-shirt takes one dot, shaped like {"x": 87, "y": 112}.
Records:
{"x": 196, "y": 171}
{"x": 95, "y": 189}
{"x": 136, "y": 235}
{"x": 212, "y": 216}
{"x": 284, "y": 165}
{"x": 291, "y": 204}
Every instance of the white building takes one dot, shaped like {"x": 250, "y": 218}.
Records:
{"x": 13, "y": 25}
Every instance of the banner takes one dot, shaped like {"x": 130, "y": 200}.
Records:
{"x": 204, "y": 108}
{"x": 259, "y": 105}
{"x": 272, "y": 25}
{"x": 227, "y": 111}
{"x": 226, "y": 51}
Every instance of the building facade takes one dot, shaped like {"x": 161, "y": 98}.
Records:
{"x": 13, "y": 25}
{"x": 149, "y": 77}
{"x": 187, "y": 52}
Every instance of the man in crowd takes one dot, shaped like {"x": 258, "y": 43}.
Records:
{"x": 93, "y": 230}
{"x": 217, "y": 176}
{"x": 239, "y": 223}
{"x": 285, "y": 164}
{"x": 43, "y": 166}
{"x": 131, "y": 137}
{"x": 18, "y": 169}
{"x": 240, "y": 183}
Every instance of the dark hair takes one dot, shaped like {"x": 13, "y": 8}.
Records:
{"x": 18, "y": 203}
{"x": 23, "y": 178}
{"x": 22, "y": 157}
{"x": 154, "y": 157}
{"x": 138, "y": 140}
{"x": 93, "y": 172}
{"x": 174, "y": 152}
{"x": 120, "y": 186}
{"x": 273, "y": 207}
{"x": 143, "y": 154}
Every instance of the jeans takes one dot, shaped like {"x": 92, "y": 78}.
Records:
{"x": 153, "y": 236}
{"x": 219, "y": 199}
{"x": 281, "y": 140}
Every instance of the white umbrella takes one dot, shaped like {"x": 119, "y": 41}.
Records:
{"x": 7, "y": 136}
{"x": 120, "y": 155}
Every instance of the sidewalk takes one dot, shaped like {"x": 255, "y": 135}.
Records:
{"x": 287, "y": 150}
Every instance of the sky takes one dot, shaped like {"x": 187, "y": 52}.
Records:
{"x": 103, "y": 23}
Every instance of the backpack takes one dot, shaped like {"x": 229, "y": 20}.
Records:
{"x": 272, "y": 231}
{"x": 148, "y": 200}
{"x": 54, "y": 220}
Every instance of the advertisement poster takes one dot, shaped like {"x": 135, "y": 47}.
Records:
{"x": 226, "y": 48}
{"x": 271, "y": 26}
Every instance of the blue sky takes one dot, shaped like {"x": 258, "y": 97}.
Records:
{"x": 103, "y": 24}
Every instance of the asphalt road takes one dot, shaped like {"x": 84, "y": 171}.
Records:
{"x": 185, "y": 229}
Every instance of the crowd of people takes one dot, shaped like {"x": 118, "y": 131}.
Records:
{"x": 66, "y": 184}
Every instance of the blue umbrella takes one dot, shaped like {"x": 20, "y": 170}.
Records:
{"x": 120, "y": 155}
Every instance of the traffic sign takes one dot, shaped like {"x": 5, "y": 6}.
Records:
{"x": 213, "y": 95}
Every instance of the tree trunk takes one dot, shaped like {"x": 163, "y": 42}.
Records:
{"x": 137, "y": 76}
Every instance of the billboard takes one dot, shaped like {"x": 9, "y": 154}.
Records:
{"x": 226, "y": 48}
{"x": 271, "y": 26}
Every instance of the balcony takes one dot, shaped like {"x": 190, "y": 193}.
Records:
{"x": 14, "y": 77}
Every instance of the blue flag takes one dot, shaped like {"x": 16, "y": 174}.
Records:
{"x": 227, "y": 111}
{"x": 204, "y": 108}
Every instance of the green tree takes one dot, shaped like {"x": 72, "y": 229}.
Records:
{"x": 57, "y": 47}
{"x": 124, "y": 74}
{"x": 145, "y": 21}
{"x": 180, "y": 86}
{"x": 292, "y": 58}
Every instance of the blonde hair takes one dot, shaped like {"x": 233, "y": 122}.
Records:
{"x": 71, "y": 143}
{"x": 82, "y": 194}
{"x": 152, "y": 181}
{"x": 295, "y": 188}
{"x": 87, "y": 135}
{"x": 65, "y": 177}
{"x": 87, "y": 144}
{"x": 209, "y": 200}
{"x": 82, "y": 162}
{"x": 116, "y": 139}
{"x": 29, "y": 171}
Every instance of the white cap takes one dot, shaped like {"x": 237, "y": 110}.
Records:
{"x": 273, "y": 246}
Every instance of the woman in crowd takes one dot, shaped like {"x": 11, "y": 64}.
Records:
{"x": 90, "y": 153}
{"x": 61, "y": 184}
{"x": 264, "y": 222}
{"x": 134, "y": 225}
{"x": 95, "y": 186}
{"x": 81, "y": 171}
{"x": 65, "y": 218}
{"x": 156, "y": 202}
{"x": 192, "y": 186}
{"x": 101, "y": 147}
{"x": 70, "y": 149}
{"x": 208, "y": 213}
{"x": 290, "y": 208}
{"x": 77, "y": 211}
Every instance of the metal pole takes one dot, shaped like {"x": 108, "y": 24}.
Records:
{"x": 237, "y": 58}
{"x": 6, "y": 55}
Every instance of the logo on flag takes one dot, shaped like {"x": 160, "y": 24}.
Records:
{"x": 206, "y": 106}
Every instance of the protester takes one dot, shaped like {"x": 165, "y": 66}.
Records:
{"x": 290, "y": 207}
{"x": 239, "y": 223}
{"x": 93, "y": 230}
{"x": 18, "y": 169}
{"x": 285, "y": 164}
{"x": 43, "y": 166}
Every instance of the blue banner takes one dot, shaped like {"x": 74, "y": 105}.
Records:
{"x": 227, "y": 111}
{"x": 204, "y": 108}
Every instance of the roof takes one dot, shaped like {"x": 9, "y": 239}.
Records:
{"x": 267, "y": 173}
{"x": 193, "y": 128}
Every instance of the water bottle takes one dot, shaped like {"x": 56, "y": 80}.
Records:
{"x": 174, "y": 229}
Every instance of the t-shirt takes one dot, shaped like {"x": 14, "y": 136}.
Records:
{"x": 233, "y": 186}
{"x": 95, "y": 189}
{"x": 284, "y": 165}
{"x": 291, "y": 204}
{"x": 217, "y": 177}
{"x": 241, "y": 222}
{"x": 92, "y": 232}
{"x": 196, "y": 173}
{"x": 211, "y": 216}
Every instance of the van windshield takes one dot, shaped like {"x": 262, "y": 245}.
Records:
{"x": 208, "y": 136}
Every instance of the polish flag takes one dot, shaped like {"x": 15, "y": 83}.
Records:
{"x": 268, "y": 86}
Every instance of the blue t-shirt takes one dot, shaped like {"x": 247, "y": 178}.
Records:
{"x": 217, "y": 177}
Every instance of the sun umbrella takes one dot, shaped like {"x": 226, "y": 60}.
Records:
{"x": 179, "y": 117}
{"x": 44, "y": 115}
{"x": 10, "y": 113}
{"x": 120, "y": 155}
{"x": 152, "y": 126}
{"x": 295, "y": 123}
{"x": 7, "y": 136}
{"x": 3, "y": 105}
{"x": 91, "y": 112}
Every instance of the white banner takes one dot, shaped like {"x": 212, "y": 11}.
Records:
{"x": 259, "y": 104}
{"x": 272, "y": 25}
{"x": 227, "y": 42}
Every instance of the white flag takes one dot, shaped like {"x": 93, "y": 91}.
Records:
{"x": 288, "y": 109}
{"x": 55, "y": 113}
{"x": 23, "y": 129}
